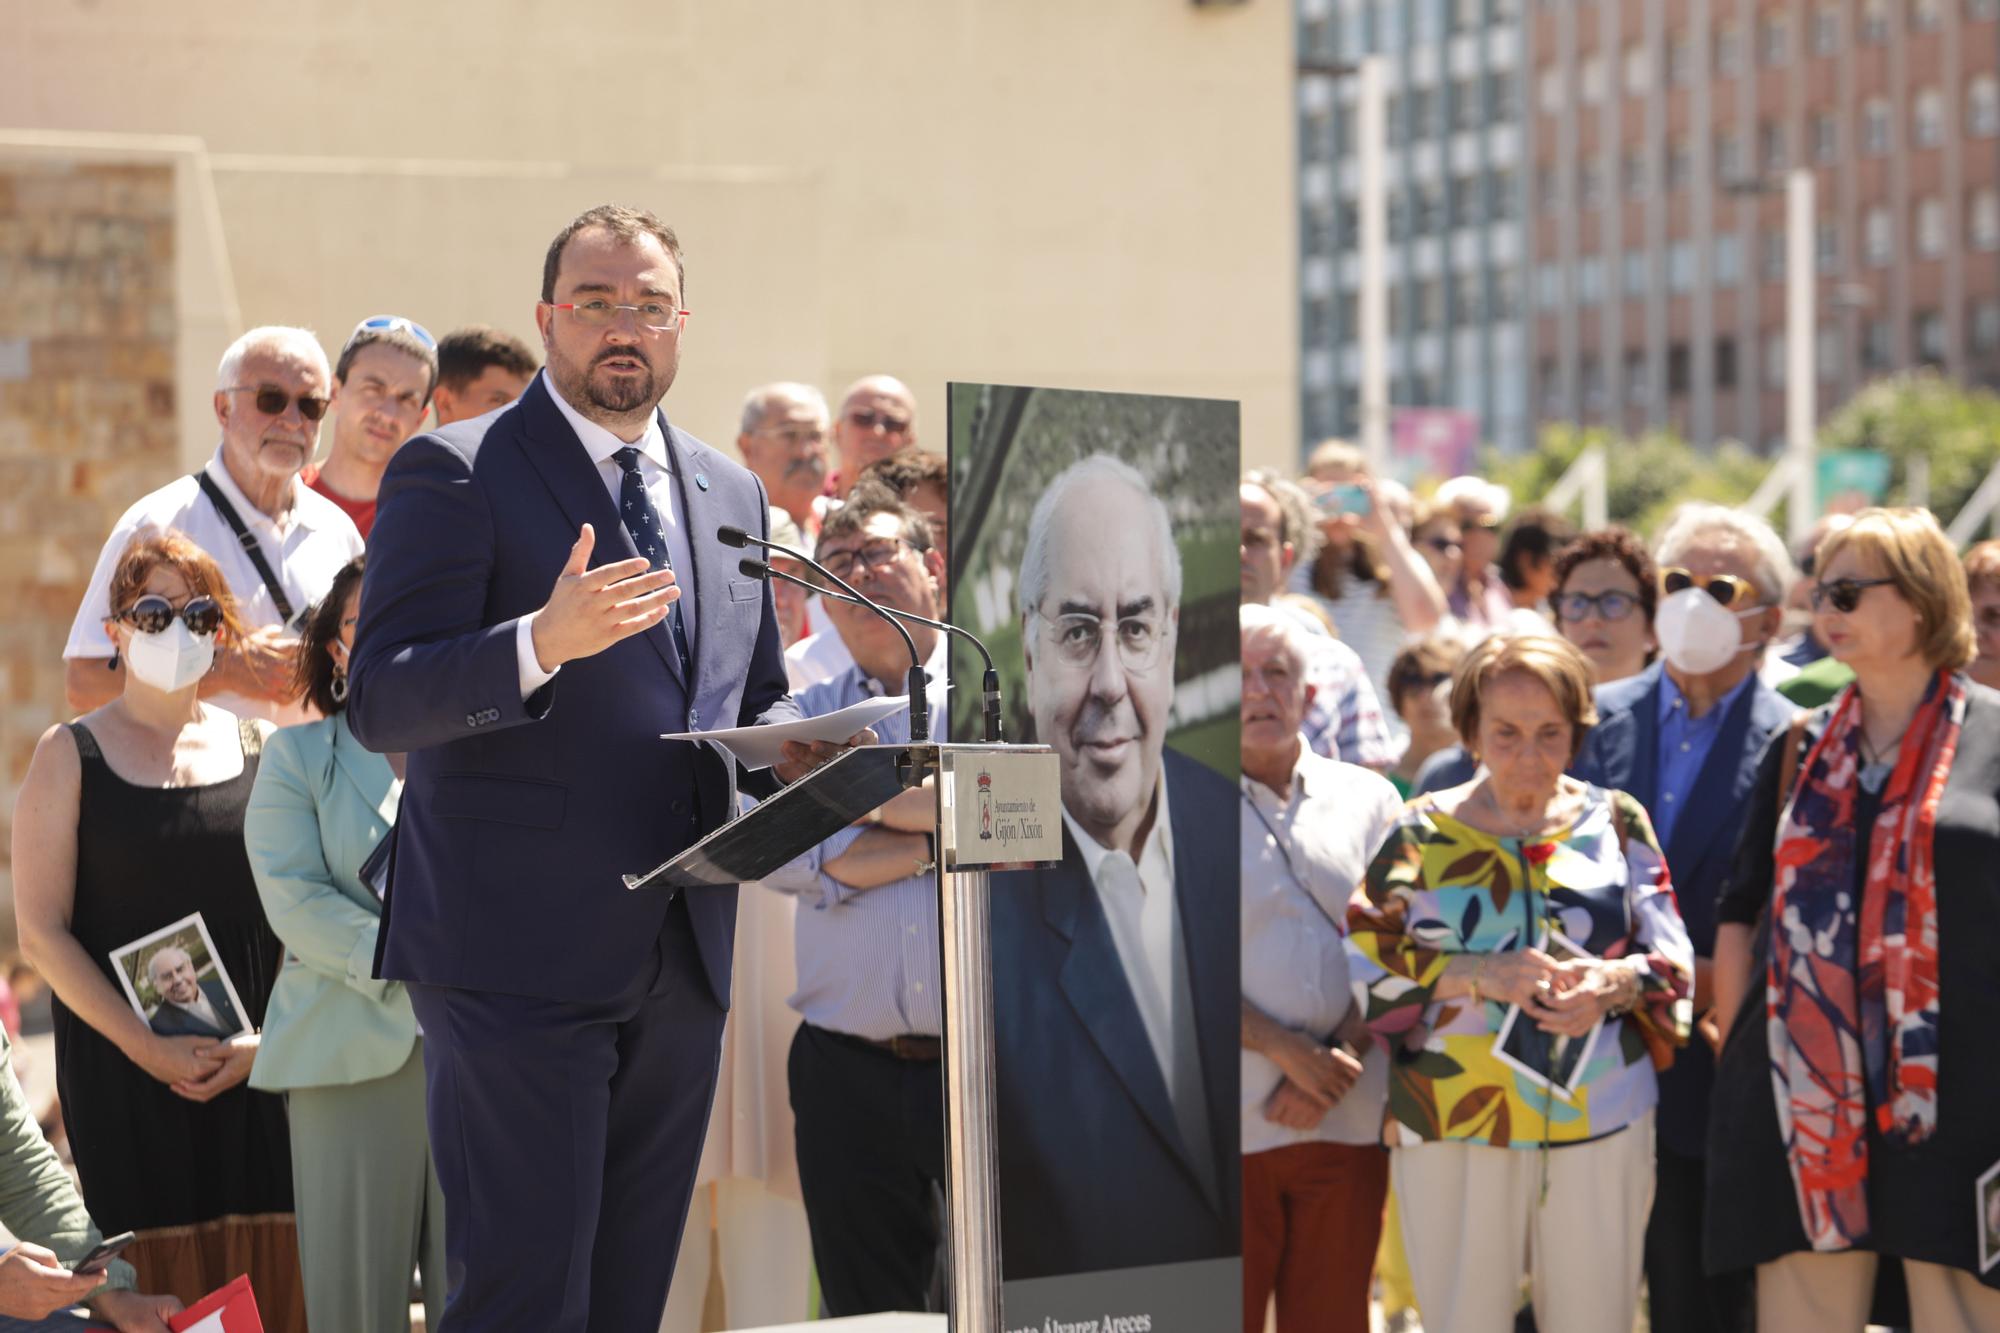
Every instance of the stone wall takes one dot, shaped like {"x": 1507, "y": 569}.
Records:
{"x": 87, "y": 425}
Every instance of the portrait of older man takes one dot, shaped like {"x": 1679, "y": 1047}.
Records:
{"x": 1116, "y": 972}
{"x": 189, "y": 1007}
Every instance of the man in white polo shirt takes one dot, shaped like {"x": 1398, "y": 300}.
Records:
{"x": 270, "y": 392}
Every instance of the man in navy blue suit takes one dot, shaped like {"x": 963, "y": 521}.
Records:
{"x": 1116, "y": 988}
{"x": 1685, "y": 737}
{"x": 572, "y": 1027}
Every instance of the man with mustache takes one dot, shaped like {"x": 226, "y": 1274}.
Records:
{"x": 783, "y": 441}
{"x": 382, "y": 386}
{"x": 1116, "y": 972}
{"x": 545, "y": 598}
{"x": 271, "y": 389}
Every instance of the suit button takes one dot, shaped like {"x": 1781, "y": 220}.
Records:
{"x": 472, "y": 719}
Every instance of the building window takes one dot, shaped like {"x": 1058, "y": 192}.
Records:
{"x": 1774, "y": 39}
{"x": 1590, "y": 374}
{"x": 1499, "y": 95}
{"x": 1502, "y": 196}
{"x": 1826, "y": 352}
{"x": 1548, "y": 286}
{"x": 1927, "y": 118}
{"x": 1680, "y": 267}
{"x": 1984, "y": 333}
{"x": 1589, "y": 183}
{"x": 1430, "y": 304}
{"x": 1979, "y": 11}
{"x": 1771, "y": 146}
{"x": 1878, "y": 236}
{"x": 1878, "y": 345}
{"x": 1590, "y": 280}
{"x": 1680, "y": 165}
{"x": 1826, "y": 246}
{"x": 1983, "y": 220}
{"x": 1875, "y": 20}
{"x": 1728, "y": 260}
{"x": 1679, "y": 370}
{"x": 1729, "y": 164}
{"x": 1725, "y": 363}
{"x": 1590, "y": 79}
{"x": 1635, "y": 377}
{"x": 1771, "y": 254}
{"x": 1638, "y": 71}
{"x": 1774, "y": 360}
{"x": 1428, "y": 205}
{"x": 1465, "y": 289}
{"x": 1632, "y": 175}
{"x": 1926, "y": 15}
{"x": 1464, "y": 205}
{"x": 1503, "y": 295}
{"x": 1729, "y": 48}
{"x": 1928, "y": 331}
{"x": 1547, "y": 189}
{"x": 1826, "y": 30}
{"x": 1826, "y": 137}
{"x": 1548, "y": 380}
{"x": 1632, "y": 272}
{"x": 1982, "y": 106}
{"x": 1876, "y": 126}
{"x": 1549, "y": 91}
{"x": 1468, "y": 15}
{"x": 1930, "y": 228}
{"x": 1680, "y": 59}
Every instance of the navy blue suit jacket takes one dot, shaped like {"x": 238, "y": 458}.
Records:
{"x": 520, "y": 816}
{"x": 1093, "y": 1170}
{"x": 1622, "y": 752}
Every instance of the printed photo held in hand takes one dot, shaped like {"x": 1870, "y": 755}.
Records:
{"x": 175, "y": 980}
{"x": 1551, "y": 1060}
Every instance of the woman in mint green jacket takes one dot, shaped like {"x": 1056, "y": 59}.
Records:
{"x": 342, "y": 1046}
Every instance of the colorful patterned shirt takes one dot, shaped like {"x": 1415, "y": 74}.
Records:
{"x": 1440, "y": 887}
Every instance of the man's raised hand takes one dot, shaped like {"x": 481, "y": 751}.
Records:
{"x": 590, "y": 609}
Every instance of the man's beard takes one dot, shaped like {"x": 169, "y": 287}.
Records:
{"x": 616, "y": 396}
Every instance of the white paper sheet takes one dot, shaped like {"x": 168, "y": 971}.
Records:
{"x": 761, "y": 747}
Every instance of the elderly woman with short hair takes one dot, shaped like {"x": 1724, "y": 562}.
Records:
{"x": 1856, "y": 1113}
{"x": 1529, "y": 894}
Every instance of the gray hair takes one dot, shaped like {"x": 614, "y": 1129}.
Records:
{"x": 760, "y": 400}
{"x": 1254, "y": 618}
{"x": 153, "y": 962}
{"x": 1095, "y": 470}
{"x": 1477, "y": 492}
{"x": 1774, "y": 573}
{"x": 1295, "y": 513}
{"x": 280, "y": 338}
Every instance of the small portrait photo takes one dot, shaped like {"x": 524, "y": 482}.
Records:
{"x": 176, "y": 982}
{"x": 1988, "y": 1196}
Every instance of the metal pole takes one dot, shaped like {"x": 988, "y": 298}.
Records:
{"x": 1372, "y": 304}
{"x": 1801, "y": 376}
{"x": 972, "y": 1195}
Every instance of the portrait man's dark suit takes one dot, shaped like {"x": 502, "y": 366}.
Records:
{"x": 572, "y": 1025}
{"x": 1623, "y": 752}
{"x": 170, "y": 1020}
{"x": 1094, "y": 1173}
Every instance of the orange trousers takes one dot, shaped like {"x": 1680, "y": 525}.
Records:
{"x": 1312, "y": 1216}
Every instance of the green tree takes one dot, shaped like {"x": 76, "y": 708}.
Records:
{"x": 1923, "y": 415}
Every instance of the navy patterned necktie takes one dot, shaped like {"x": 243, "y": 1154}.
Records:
{"x": 635, "y": 507}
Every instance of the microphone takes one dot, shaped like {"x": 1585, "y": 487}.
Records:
{"x": 920, "y": 706}
{"x": 990, "y": 692}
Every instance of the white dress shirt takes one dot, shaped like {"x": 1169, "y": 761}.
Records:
{"x": 1303, "y": 855}
{"x": 305, "y": 547}
{"x": 601, "y": 444}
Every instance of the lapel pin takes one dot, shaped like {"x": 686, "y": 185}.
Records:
{"x": 701, "y": 480}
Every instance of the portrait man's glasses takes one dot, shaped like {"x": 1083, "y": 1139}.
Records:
{"x": 654, "y": 316}
{"x": 272, "y": 401}
{"x": 1079, "y": 637}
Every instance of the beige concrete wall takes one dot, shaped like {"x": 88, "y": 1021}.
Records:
{"x": 1090, "y": 193}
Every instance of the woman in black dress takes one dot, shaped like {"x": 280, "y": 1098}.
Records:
{"x": 1857, "y": 1099}
{"x": 130, "y": 819}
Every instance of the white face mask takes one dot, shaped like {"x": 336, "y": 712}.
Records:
{"x": 171, "y": 660}
{"x": 1698, "y": 634}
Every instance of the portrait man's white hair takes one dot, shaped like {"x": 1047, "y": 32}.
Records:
{"x": 1089, "y": 473}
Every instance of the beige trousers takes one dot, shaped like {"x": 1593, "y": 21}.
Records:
{"x": 1474, "y": 1220}
{"x": 1830, "y": 1293}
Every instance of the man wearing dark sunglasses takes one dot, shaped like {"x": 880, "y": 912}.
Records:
{"x": 877, "y": 418}
{"x": 382, "y": 385}
{"x": 278, "y": 543}
{"x": 1685, "y": 736}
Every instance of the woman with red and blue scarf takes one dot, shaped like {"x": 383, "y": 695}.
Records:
{"x": 1857, "y": 1101}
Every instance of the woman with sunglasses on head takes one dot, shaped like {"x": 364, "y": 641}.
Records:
{"x": 129, "y": 820}
{"x": 341, "y": 1045}
{"x": 1857, "y": 1100}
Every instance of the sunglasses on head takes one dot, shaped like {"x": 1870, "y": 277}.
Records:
{"x": 392, "y": 324}
{"x": 1727, "y": 589}
{"x": 1843, "y": 595}
{"x": 152, "y": 614}
{"x": 272, "y": 401}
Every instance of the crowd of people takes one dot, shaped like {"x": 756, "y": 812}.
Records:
{"x": 1633, "y": 955}
{"x": 1579, "y": 959}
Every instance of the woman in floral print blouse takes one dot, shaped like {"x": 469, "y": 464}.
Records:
{"x": 1523, "y": 890}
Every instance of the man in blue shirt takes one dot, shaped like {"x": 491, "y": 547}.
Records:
{"x": 864, "y": 1070}
{"x": 1685, "y": 737}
